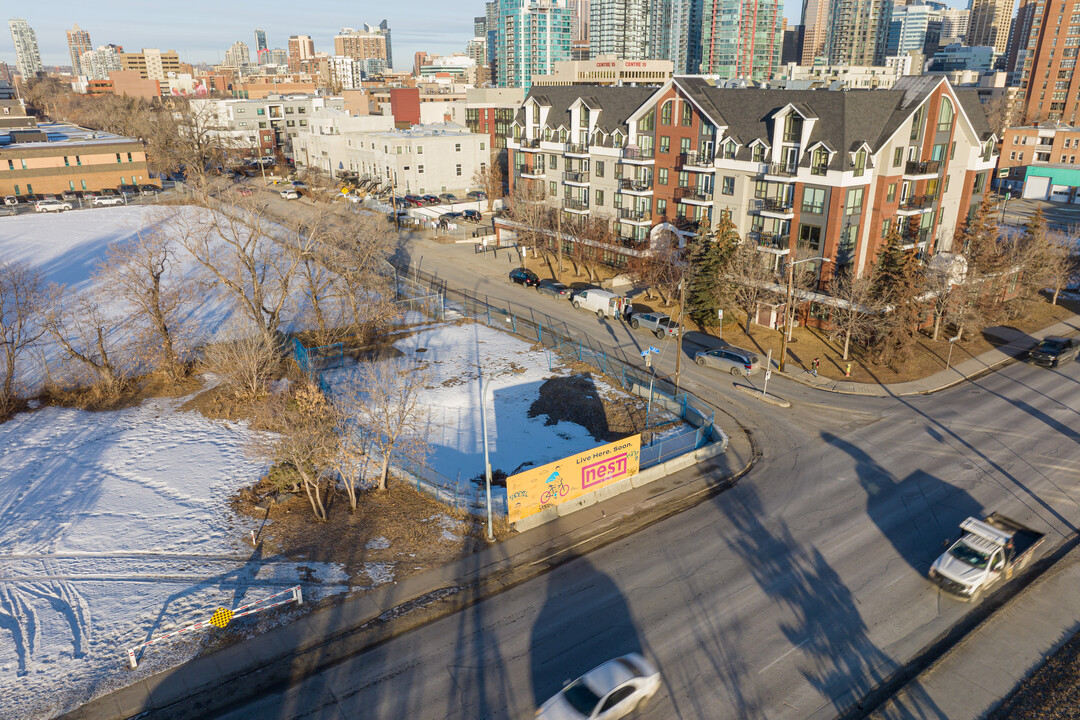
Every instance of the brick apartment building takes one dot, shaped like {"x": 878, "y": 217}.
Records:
{"x": 1039, "y": 161}
{"x": 490, "y": 111}
{"x": 811, "y": 173}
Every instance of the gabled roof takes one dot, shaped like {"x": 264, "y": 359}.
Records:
{"x": 614, "y": 103}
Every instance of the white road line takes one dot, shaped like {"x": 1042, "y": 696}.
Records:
{"x": 783, "y": 656}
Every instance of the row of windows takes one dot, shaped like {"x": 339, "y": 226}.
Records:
{"x": 67, "y": 161}
{"x": 82, "y": 185}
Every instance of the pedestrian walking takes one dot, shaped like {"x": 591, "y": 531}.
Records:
{"x": 814, "y": 366}
{"x": 847, "y": 370}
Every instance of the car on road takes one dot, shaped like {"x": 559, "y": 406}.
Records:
{"x": 448, "y": 197}
{"x": 430, "y": 199}
{"x": 476, "y": 195}
{"x": 524, "y": 277}
{"x": 1054, "y": 351}
{"x": 607, "y": 692}
{"x": 554, "y": 289}
{"x": 473, "y": 215}
{"x": 6, "y": 210}
{"x": 658, "y": 324}
{"x": 290, "y": 194}
{"x": 735, "y": 360}
{"x": 47, "y": 206}
{"x": 102, "y": 200}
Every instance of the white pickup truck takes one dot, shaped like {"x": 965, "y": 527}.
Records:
{"x": 988, "y": 551}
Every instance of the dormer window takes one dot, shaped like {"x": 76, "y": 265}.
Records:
{"x": 819, "y": 162}
{"x": 583, "y": 118}
{"x": 647, "y": 123}
{"x": 988, "y": 150}
{"x": 729, "y": 149}
{"x": 759, "y": 153}
{"x": 792, "y": 128}
{"x": 860, "y": 162}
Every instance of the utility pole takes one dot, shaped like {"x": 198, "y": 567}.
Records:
{"x": 487, "y": 461}
{"x": 787, "y": 314}
{"x": 678, "y": 340}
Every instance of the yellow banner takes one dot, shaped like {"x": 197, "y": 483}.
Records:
{"x": 531, "y": 491}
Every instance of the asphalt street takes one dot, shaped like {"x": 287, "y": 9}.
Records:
{"x": 790, "y": 596}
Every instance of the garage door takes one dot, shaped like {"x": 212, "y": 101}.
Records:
{"x": 1059, "y": 193}
{"x": 1037, "y": 188}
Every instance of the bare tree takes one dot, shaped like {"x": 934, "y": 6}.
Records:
{"x": 534, "y": 217}
{"x": 244, "y": 357}
{"x": 1062, "y": 265}
{"x": 302, "y": 437}
{"x": 489, "y": 179}
{"x": 351, "y": 459}
{"x": 144, "y": 273}
{"x": 999, "y": 113}
{"x": 391, "y": 412}
{"x": 858, "y": 312}
{"x": 661, "y": 266}
{"x": 751, "y": 280}
{"x": 88, "y": 336}
{"x": 22, "y": 297}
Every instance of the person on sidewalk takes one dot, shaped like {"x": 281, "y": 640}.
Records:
{"x": 847, "y": 370}
{"x": 814, "y": 366}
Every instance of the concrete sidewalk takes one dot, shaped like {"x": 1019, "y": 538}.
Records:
{"x": 973, "y": 677}
{"x": 270, "y": 661}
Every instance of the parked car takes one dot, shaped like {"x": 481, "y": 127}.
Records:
{"x": 473, "y": 215}
{"x": 6, "y": 210}
{"x": 414, "y": 200}
{"x": 476, "y": 195}
{"x": 451, "y": 216}
{"x": 107, "y": 191}
{"x": 69, "y": 195}
{"x": 102, "y": 200}
{"x": 47, "y": 206}
{"x": 990, "y": 550}
{"x": 1054, "y": 351}
{"x": 129, "y": 189}
{"x": 149, "y": 189}
{"x": 602, "y": 302}
{"x": 11, "y": 200}
{"x": 430, "y": 199}
{"x": 524, "y": 277}
{"x": 658, "y": 324}
{"x": 607, "y": 692}
{"x": 290, "y": 194}
{"x": 400, "y": 202}
{"x": 554, "y": 289}
{"x": 244, "y": 192}
{"x": 735, "y": 360}
{"x": 448, "y": 197}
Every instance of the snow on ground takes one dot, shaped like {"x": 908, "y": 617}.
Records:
{"x": 114, "y": 528}
{"x": 453, "y": 352}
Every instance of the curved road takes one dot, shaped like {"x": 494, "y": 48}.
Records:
{"x": 790, "y": 596}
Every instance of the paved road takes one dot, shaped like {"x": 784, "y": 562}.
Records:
{"x": 787, "y": 597}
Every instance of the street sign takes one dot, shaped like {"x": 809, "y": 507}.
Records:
{"x": 1008, "y": 196}
{"x": 720, "y": 314}
{"x": 653, "y": 350}
{"x": 644, "y": 353}
{"x": 768, "y": 374}
{"x": 1003, "y": 173}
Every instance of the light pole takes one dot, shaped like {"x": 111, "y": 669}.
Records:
{"x": 787, "y": 306}
{"x": 487, "y": 461}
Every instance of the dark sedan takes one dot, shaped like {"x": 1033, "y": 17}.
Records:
{"x": 524, "y": 277}
{"x": 1054, "y": 351}
{"x": 554, "y": 289}
{"x": 430, "y": 199}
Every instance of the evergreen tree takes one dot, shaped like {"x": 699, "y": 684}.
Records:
{"x": 980, "y": 240}
{"x": 897, "y": 284}
{"x": 709, "y": 259}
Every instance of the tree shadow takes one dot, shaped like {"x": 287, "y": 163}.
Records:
{"x": 584, "y": 622}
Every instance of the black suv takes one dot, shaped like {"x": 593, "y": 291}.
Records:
{"x": 1054, "y": 351}
{"x": 524, "y": 277}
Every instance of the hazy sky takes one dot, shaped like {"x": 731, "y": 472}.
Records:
{"x": 201, "y": 31}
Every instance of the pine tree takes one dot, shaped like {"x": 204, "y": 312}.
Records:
{"x": 980, "y": 240}
{"x": 709, "y": 259}
{"x": 897, "y": 284}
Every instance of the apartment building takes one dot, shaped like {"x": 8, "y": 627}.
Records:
{"x": 619, "y": 28}
{"x": 78, "y": 43}
{"x": 873, "y": 77}
{"x": 360, "y": 44}
{"x": 263, "y": 126}
{"x": 490, "y": 111}
{"x": 1047, "y": 64}
{"x": 531, "y": 35}
{"x": 441, "y": 157}
{"x": 1040, "y": 162}
{"x": 742, "y": 38}
{"x": 27, "y": 54}
{"x": 301, "y": 53}
{"x": 151, "y": 63}
{"x": 988, "y": 24}
{"x": 810, "y": 173}
{"x": 54, "y": 157}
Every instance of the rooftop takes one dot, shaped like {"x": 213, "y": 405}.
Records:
{"x": 62, "y": 133}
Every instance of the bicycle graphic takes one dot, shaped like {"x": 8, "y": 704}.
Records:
{"x": 554, "y": 491}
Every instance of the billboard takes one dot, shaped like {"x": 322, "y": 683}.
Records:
{"x": 538, "y": 488}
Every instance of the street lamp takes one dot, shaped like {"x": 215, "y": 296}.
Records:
{"x": 484, "y": 384}
{"x": 787, "y": 306}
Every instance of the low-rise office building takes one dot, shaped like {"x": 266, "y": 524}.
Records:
{"x": 1039, "y": 162}
{"x": 607, "y": 70}
{"x": 435, "y": 158}
{"x": 810, "y": 173}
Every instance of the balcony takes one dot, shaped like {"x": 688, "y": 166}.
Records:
{"x": 915, "y": 169}
{"x": 573, "y": 205}
{"x": 777, "y": 208}
{"x": 575, "y": 178}
{"x": 693, "y": 196}
{"x": 577, "y": 149}
{"x": 916, "y": 205}
{"x": 631, "y": 186}
{"x": 701, "y": 161}
{"x": 917, "y": 239}
{"x": 771, "y": 242}
{"x": 643, "y": 156}
{"x": 536, "y": 171}
{"x": 529, "y": 145}
{"x": 687, "y": 224}
{"x": 784, "y": 171}
{"x": 635, "y": 217}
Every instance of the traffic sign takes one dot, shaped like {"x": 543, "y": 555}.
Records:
{"x": 768, "y": 374}
{"x": 653, "y": 350}
{"x": 644, "y": 353}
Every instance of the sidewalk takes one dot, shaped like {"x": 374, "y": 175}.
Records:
{"x": 973, "y": 677}
{"x": 270, "y": 661}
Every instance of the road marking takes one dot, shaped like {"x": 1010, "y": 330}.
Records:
{"x": 783, "y": 656}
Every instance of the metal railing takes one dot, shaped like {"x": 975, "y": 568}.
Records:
{"x": 917, "y": 202}
{"x": 577, "y": 148}
{"x": 575, "y": 177}
{"x": 632, "y": 185}
{"x": 573, "y": 204}
{"x": 634, "y": 215}
{"x": 701, "y": 158}
{"x": 692, "y": 194}
{"x": 534, "y": 170}
{"x": 781, "y": 169}
{"x": 771, "y": 240}
{"x": 922, "y": 168}
{"x": 777, "y": 205}
{"x": 629, "y": 153}
{"x": 525, "y": 143}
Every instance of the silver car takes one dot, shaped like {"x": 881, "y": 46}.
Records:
{"x": 658, "y": 324}
{"x": 608, "y": 692}
{"x": 735, "y": 360}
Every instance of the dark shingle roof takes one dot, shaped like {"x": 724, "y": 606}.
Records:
{"x": 616, "y": 103}
{"x": 973, "y": 108}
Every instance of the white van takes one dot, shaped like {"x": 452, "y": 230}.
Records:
{"x": 602, "y": 302}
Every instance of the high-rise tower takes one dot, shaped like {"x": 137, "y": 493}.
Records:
{"x": 742, "y": 38}
{"x": 78, "y": 43}
{"x": 27, "y": 55}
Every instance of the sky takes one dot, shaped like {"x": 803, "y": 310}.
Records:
{"x": 201, "y": 30}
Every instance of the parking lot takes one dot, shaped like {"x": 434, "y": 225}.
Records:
{"x": 81, "y": 201}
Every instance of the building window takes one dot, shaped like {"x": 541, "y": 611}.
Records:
{"x": 860, "y": 162}
{"x": 10, "y": 164}
{"x": 684, "y": 179}
{"x": 554, "y": 189}
{"x": 886, "y": 225}
{"x": 301, "y": 110}
{"x": 553, "y": 162}
{"x": 420, "y": 169}
{"x": 853, "y": 203}
{"x": 290, "y": 123}
{"x": 898, "y": 157}
{"x": 661, "y": 175}
{"x": 938, "y": 153}
{"x": 813, "y": 200}
{"x": 78, "y": 161}
{"x": 728, "y": 186}
{"x": 978, "y": 186}
{"x": 457, "y": 170}
{"x": 758, "y": 153}
{"x": 599, "y": 168}
{"x": 260, "y": 111}
{"x": 945, "y": 186}
{"x": 687, "y": 115}
{"x": 71, "y": 185}
{"x": 810, "y": 237}
{"x": 67, "y": 163}
{"x": 945, "y": 116}
{"x": 83, "y": 183}
{"x": 916, "y": 124}
{"x": 647, "y": 122}
{"x": 665, "y": 112}
{"x": 729, "y": 150}
{"x": 288, "y": 111}
{"x": 482, "y": 147}
{"x": 599, "y": 197}
{"x": 820, "y": 162}
{"x": 891, "y": 195}
{"x": 661, "y": 207}
{"x": 684, "y": 145}
{"x": 303, "y": 123}
{"x": 419, "y": 149}
{"x": 952, "y": 150}
{"x": 457, "y": 147}
{"x": 117, "y": 160}
{"x": 665, "y": 144}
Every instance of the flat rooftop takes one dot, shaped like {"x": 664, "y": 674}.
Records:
{"x": 64, "y": 134}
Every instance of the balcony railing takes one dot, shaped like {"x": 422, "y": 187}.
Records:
{"x": 770, "y": 240}
{"x": 577, "y": 149}
{"x": 918, "y": 202}
{"x": 575, "y": 177}
{"x": 777, "y": 205}
{"x": 912, "y": 239}
{"x": 633, "y": 215}
{"x": 702, "y": 158}
{"x": 632, "y": 185}
{"x": 633, "y": 153}
{"x": 533, "y": 170}
{"x": 781, "y": 169}
{"x": 573, "y": 204}
{"x": 530, "y": 144}
{"x": 922, "y": 168}
{"x": 692, "y": 195}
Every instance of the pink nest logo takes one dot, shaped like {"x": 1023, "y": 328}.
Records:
{"x": 603, "y": 471}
